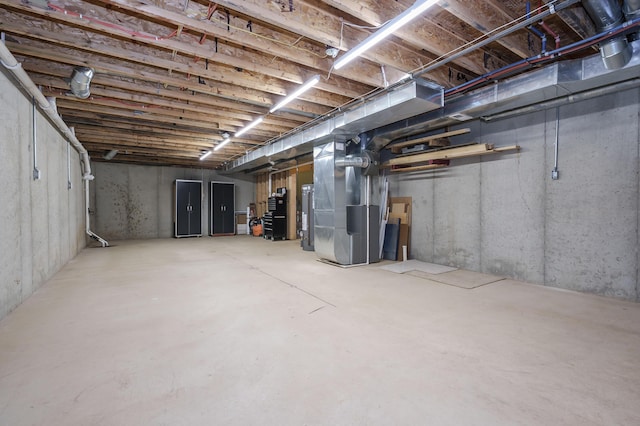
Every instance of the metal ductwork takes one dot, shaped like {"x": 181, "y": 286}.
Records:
{"x": 368, "y": 161}
{"x": 606, "y": 15}
{"x": 407, "y": 100}
{"x": 631, "y": 10}
{"x": 80, "y": 81}
{"x": 412, "y": 108}
{"x": 346, "y": 225}
{"x": 567, "y": 80}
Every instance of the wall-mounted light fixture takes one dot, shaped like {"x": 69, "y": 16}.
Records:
{"x": 386, "y": 30}
{"x": 248, "y": 127}
{"x": 109, "y": 155}
{"x": 306, "y": 86}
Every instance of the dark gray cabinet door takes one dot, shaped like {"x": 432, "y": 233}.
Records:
{"x": 222, "y": 211}
{"x": 188, "y": 214}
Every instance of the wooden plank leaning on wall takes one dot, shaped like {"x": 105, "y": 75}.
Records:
{"x": 262, "y": 193}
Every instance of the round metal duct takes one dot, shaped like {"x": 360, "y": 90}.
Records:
{"x": 80, "y": 81}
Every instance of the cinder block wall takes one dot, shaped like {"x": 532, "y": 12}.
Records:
{"x": 42, "y": 221}
{"x": 505, "y": 215}
{"x": 136, "y": 202}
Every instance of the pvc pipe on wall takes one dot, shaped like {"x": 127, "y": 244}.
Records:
{"x": 10, "y": 63}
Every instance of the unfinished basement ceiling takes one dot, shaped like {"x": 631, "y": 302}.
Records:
{"x": 173, "y": 77}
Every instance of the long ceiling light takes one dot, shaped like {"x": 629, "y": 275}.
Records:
{"x": 248, "y": 127}
{"x": 389, "y": 28}
{"x": 205, "y": 155}
{"x": 306, "y": 86}
{"x": 221, "y": 144}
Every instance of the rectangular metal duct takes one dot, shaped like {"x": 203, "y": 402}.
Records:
{"x": 400, "y": 103}
{"x": 535, "y": 87}
{"x": 555, "y": 80}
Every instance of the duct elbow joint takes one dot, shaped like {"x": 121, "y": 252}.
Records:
{"x": 80, "y": 81}
{"x": 616, "y": 53}
{"x": 606, "y": 15}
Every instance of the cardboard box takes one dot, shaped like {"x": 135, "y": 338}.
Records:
{"x": 404, "y": 218}
{"x": 241, "y": 218}
{"x": 398, "y": 208}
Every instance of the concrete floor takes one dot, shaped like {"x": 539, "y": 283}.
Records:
{"x": 243, "y": 331}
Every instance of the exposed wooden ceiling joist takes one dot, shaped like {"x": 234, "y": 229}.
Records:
{"x": 171, "y": 77}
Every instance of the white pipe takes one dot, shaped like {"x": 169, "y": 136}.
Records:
{"x": 86, "y": 205}
{"x": 9, "y": 62}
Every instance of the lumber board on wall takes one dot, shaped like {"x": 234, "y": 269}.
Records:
{"x": 413, "y": 161}
{"x": 465, "y": 151}
{"x": 397, "y": 148}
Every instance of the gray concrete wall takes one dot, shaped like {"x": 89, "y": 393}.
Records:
{"x": 136, "y": 202}
{"x": 505, "y": 215}
{"x": 42, "y": 220}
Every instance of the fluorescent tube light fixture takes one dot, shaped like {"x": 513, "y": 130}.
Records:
{"x": 248, "y": 127}
{"x": 205, "y": 155}
{"x": 389, "y": 28}
{"x": 306, "y": 86}
{"x": 221, "y": 144}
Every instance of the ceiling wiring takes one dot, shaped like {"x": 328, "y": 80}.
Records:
{"x": 483, "y": 37}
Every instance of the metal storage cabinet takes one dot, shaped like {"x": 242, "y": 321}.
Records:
{"x": 274, "y": 222}
{"x": 187, "y": 216}
{"x": 222, "y": 220}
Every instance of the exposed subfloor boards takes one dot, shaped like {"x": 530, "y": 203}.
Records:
{"x": 240, "y": 330}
